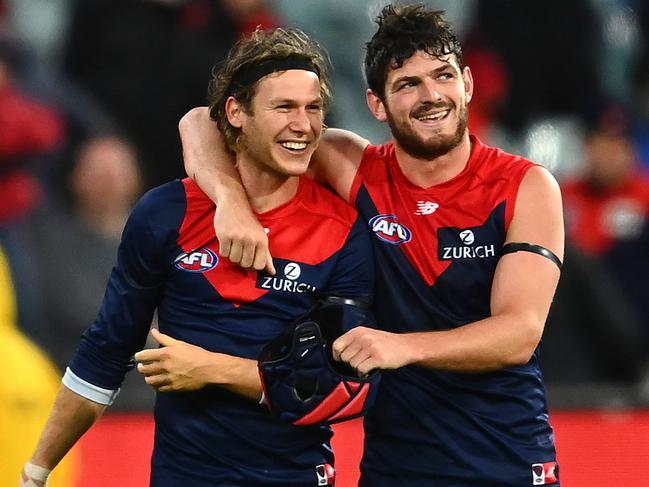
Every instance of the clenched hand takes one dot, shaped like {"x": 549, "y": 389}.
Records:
{"x": 367, "y": 349}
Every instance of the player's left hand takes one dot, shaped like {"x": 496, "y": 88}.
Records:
{"x": 176, "y": 366}
{"x": 367, "y": 349}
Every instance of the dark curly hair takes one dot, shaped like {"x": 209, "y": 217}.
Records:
{"x": 404, "y": 30}
{"x": 248, "y": 52}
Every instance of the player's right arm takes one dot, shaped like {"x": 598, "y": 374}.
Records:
{"x": 92, "y": 379}
{"x": 70, "y": 418}
{"x": 241, "y": 238}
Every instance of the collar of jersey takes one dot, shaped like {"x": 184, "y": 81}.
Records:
{"x": 290, "y": 206}
{"x": 476, "y": 154}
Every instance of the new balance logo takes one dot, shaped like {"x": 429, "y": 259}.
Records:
{"x": 426, "y": 207}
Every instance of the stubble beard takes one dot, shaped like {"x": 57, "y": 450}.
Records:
{"x": 434, "y": 146}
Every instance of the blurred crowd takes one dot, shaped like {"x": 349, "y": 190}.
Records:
{"x": 91, "y": 92}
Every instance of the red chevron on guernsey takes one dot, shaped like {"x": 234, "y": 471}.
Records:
{"x": 313, "y": 215}
{"x": 393, "y": 220}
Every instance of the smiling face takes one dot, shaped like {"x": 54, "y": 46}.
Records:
{"x": 282, "y": 129}
{"x": 426, "y": 104}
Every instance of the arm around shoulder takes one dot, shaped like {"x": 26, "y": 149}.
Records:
{"x": 205, "y": 155}
{"x": 337, "y": 159}
{"x": 209, "y": 163}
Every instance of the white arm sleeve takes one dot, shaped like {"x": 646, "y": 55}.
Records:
{"x": 89, "y": 391}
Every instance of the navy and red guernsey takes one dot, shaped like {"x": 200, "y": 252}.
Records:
{"x": 169, "y": 260}
{"x": 436, "y": 251}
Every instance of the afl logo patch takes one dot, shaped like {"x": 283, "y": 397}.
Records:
{"x": 386, "y": 228}
{"x": 201, "y": 260}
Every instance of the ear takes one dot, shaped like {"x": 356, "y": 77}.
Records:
{"x": 468, "y": 83}
{"x": 234, "y": 112}
{"x": 376, "y": 106}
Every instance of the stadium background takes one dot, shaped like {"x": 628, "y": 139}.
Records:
{"x": 90, "y": 95}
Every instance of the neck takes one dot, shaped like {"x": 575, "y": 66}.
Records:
{"x": 430, "y": 172}
{"x": 266, "y": 189}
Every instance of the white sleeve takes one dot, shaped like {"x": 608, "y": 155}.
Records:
{"x": 89, "y": 391}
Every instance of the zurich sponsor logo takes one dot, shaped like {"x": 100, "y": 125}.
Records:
{"x": 201, "y": 260}
{"x": 292, "y": 271}
{"x": 467, "y": 237}
{"x": 449, "y": 250}
{"x": 387, "y": 228}
{"x": 289, "y": 283}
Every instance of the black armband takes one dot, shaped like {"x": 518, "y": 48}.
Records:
{"x": 512, "y": 247}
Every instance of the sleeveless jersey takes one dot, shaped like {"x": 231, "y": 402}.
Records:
{"x": 436, "y": 252}
{"x": 169, "y": 260}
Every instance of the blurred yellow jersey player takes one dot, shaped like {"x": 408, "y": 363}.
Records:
{"x": 27, "y": 390}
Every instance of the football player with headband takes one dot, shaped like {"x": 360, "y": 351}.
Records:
{"x": 215, "y": 319}
{"x": 468, "y": 242}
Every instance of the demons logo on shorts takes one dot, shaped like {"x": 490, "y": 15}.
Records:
{"x": 201, "y": 260}
{"x": 388, "y": 229}
{"x": 326, "y": 474}
{"x": 545, "y": 473}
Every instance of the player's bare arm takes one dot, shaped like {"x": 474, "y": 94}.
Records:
{"x": 207, "y": 161}
{"x": 336, "y": 160}
{"x": 241, "y": 238}
{"x": 181, "y": 366}
{"x": 71, "y": 417}
{"x": 523, "y": 288}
